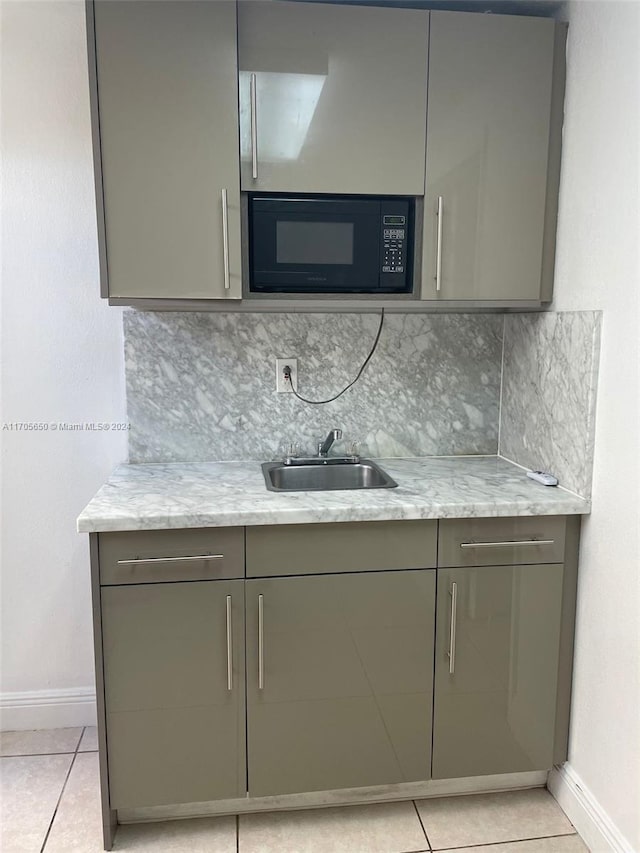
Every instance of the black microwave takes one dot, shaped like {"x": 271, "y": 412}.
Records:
{"x": 330, "y": 244}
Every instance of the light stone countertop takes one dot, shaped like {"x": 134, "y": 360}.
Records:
{"x": 224, "y": 494}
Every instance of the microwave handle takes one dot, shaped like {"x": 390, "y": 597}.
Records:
{"x": 254, "y": 128}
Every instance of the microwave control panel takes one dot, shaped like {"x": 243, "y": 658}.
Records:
{"x": 394, "y": 243}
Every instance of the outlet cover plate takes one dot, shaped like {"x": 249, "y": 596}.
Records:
{"x": 283, "y": 387}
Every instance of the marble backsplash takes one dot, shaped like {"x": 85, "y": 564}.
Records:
{"x": 201, "y": 386}
{"x": 549, "y": 394}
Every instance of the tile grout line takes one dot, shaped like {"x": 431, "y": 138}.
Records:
{"x": 415, "y": 805}
{"x": 61, "y": 752}
{"x": 44, "y": 754}
{"x": 506, "y": 841}
{"x": 64, "y": 786}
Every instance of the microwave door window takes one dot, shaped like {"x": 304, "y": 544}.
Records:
{"x": 312, "y": 246}
{"x": 314, "y": 243}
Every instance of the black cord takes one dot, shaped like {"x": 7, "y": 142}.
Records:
{"x": 287, "y": 372}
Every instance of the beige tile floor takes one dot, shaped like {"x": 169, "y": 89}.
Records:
{"x": 49, "y": 803}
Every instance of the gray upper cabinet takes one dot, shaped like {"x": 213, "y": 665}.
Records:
{"x": 339, "y": 680}
{"x": 339, "y": 98}
{"x": 194, "y": 100}
{"x": 165, "y": 99}
{"x": 493, "y": 143}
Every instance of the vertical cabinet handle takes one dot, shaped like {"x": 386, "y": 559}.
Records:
{"x": 225, "y": 238}
{"x": 229, "y": 647}
{"x": 254, "y": 128}
{"x": 439, "y": 215}
{"x": 453, "y": 592}
{"x": 260, "y": 642}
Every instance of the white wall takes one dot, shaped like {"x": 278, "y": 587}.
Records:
{"x": 598, "y": 267}
{"x": 61, "y": 361}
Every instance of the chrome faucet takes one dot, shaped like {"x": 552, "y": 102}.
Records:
{"x": 325, "y": 446}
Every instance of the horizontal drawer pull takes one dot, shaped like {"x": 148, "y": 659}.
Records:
{"x": 507, "y": 544}
{"x": 146, "y": 560}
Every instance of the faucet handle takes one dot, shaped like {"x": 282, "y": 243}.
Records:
{"x": 289, "y": 449}
{"x": 354, "y": 448}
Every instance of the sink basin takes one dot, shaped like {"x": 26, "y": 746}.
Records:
{"x": 325, "y": 476}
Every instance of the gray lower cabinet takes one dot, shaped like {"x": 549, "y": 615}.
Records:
{"x": 308, "y": 549}
{"x": 496, "y": 671}
{"x": 366, "y": 671}
{"x": 339, "y": 680}
{"x": 494, "y": 122}
{"x": 164, "y": 94}
{"x": 174, "y": 692}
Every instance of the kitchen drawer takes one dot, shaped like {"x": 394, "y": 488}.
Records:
{"x": 152, "y": 556}
{"x": 307, "y": 549}
{"x": 501, "y": 541}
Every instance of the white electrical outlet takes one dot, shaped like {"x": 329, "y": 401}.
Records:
{"x": 282, "y": 386}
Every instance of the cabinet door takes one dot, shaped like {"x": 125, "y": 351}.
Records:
{"x": 490, "y": 87}
{"x": 339, "y": 680}
{"x": 168, "y": 118}
{"x": 495, "y": 712}
{"x": 174, "y": 691}
{"x": 340, "y": 98}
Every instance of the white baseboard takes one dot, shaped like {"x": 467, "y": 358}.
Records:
{"x": 48, "y": 709}
{"x": 594, "y": 825}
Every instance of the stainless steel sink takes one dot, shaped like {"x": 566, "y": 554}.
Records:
{"x": 325, "y": 475}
